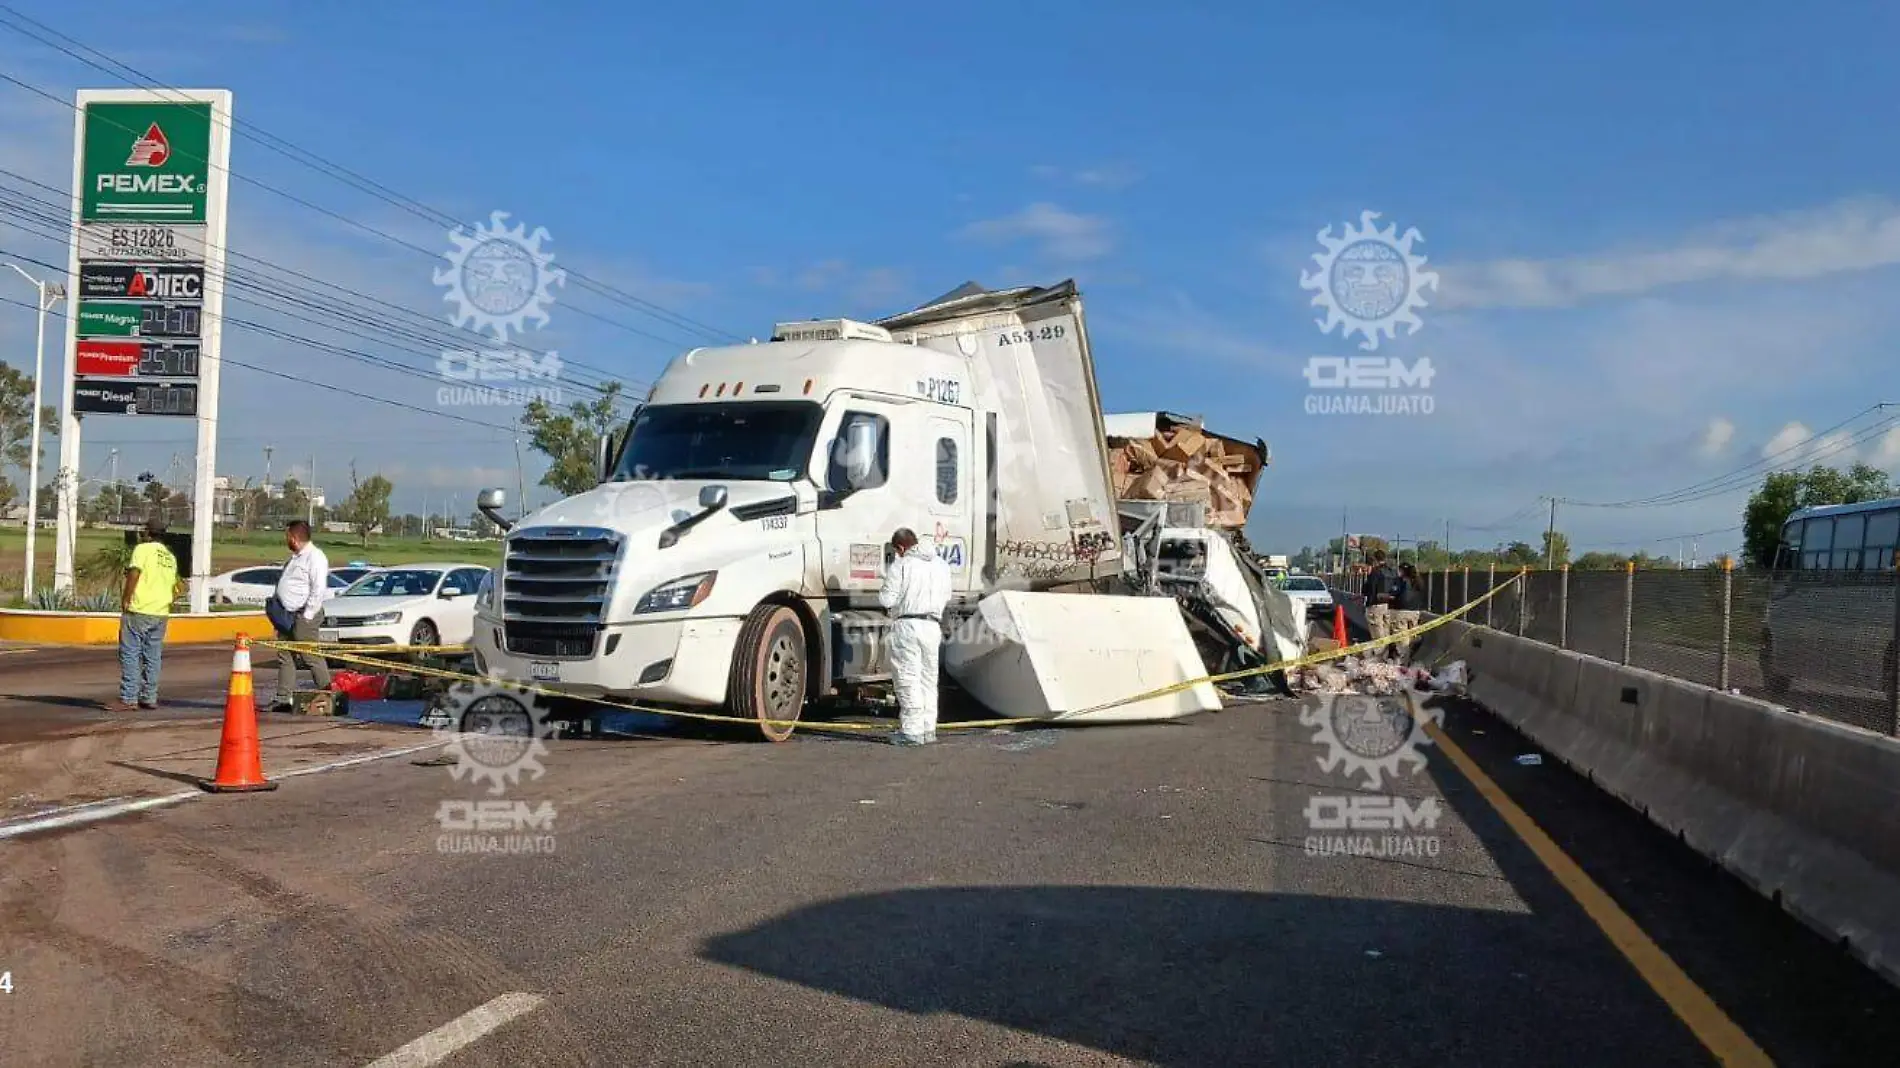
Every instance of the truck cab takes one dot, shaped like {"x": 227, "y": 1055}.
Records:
{"x": 732, "y": 553}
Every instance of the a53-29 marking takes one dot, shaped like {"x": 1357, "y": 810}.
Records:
{"x": 1029, "y": 335}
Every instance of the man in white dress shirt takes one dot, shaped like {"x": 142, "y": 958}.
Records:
{"x": 916, "y": 589}
{"x": 301, "y": 589}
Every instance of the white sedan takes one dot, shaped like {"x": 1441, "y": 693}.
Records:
{"x": 1310, "y": 591}
{"x": 254, "y": 585}
{"x": 414, "y": 604}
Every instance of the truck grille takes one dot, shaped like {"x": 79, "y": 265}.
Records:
{"x": 554, "y": 588}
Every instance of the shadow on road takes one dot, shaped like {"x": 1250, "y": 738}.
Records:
{"x": 1186, "y": 976}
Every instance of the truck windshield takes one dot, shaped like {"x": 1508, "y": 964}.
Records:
{"x": 750, "y": 441}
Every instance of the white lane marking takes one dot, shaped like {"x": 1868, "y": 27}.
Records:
{"x": 94, "y": 811}
{"x": 4, "y": 652}
{"x": 74, "y": 815}
{"x": 380, "y": 754}
{"x": 436, "y": 1046}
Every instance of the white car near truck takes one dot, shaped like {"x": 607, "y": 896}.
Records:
{"x": 414, "y": 604}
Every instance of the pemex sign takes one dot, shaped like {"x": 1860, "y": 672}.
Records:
{"x": 151, "y": 171}
{"x": 145, "y": 161}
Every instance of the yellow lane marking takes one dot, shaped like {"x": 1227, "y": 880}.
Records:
{"x": 1694, "y": 1007}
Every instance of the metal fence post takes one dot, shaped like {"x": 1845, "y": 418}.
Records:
{"x": 1563, "y": 610}
{"x": 1629, "y": 605}
{"x": 1523, "y": 597}
{"x": 1464, "y": 591}
{"x": 1728, "y": 608}
{"x": 1894, "y": 667}
{"x": 1490, "y": 583}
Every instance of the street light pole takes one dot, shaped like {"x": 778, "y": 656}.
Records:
{"x": 49, "y": 293}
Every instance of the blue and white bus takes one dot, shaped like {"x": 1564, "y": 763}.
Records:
{"x": 1841, "y": 537}
{"x": 1831, "y": 606}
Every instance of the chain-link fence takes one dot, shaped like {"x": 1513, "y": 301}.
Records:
{"x": 1816, "y": 641}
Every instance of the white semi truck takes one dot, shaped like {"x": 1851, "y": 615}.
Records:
{"x": 731, "y": 554}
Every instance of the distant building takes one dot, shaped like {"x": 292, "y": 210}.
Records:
{"x": 227, "y": 499}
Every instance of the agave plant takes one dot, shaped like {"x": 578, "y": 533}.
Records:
{"x": 51, "y": 600}
{"x": 99, "y": 602}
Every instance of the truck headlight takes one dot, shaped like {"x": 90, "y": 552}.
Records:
{"x": 485, "y": 593}
{"x": 679, "y": 594}
{"x": 381, "y": 618}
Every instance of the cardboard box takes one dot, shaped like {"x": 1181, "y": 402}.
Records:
{"x": 1184, "y": 444}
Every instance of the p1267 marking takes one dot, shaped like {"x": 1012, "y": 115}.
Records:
{"x": 941, "y": 390}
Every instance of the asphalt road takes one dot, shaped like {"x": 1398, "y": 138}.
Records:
{"x": 1083, "y": 896}
{"x": 55, "y": 689}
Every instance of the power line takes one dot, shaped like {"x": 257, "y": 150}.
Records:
{"x": 48, "y": 224}
{"x": 309, "y": 381}
{"x": 1745, "y": 475}
{"x": 335, "y": 170}
{"x": 346, "y": 220}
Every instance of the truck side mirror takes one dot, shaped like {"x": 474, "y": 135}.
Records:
{"x": 603, "y": 457}
{"x": 489, "y": 502}
{"x": 712, "y": 498}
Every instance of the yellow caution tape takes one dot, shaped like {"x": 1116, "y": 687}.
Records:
{"x": 320, "y": 648}
{"x": 849, "y": 728}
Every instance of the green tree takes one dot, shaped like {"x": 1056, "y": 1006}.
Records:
{"x": 569, "y": 438}
{"x": 8, "y": 493}
{"x": 1600, "y": 561}
{"x": 16, "y": 416}
{"x": 1782, "y": 492}
{"x": 1556, "y": 552}
{"x": 367, "y": 508}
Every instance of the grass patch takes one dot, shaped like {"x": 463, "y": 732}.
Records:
{"x": 229, "y": 550}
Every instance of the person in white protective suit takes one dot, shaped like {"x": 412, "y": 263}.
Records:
{"x": 916, "y": 589}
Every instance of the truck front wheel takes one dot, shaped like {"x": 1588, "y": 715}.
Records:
{"x": 768, "y": 671}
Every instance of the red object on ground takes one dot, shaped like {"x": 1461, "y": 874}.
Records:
{"x": 359, "y": 685}
{"x": 1339, "y": 625}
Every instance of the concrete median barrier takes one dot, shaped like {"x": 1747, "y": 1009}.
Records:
{"x": 1804, "y": 810}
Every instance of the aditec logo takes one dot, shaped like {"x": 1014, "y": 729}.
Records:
{"x": 152, "y": 150}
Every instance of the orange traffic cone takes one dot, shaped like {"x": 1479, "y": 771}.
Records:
{"x": 240, "y": 767}
{"x": 1339, "y": 625}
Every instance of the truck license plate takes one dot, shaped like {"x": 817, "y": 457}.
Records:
{"x": 327, "y": 634}
{"x": 544, "y": 670}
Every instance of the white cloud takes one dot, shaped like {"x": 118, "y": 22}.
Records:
{"x": 1785, "y": 440}
{"x": 1104, "y": 176}
{"x": 1791, "y": 447}
{"x": 1886, "y": 455}
{"x": 1059, "y": 234}
{"x": 1850, "y": 235}
{"x": 1716, "y": 436}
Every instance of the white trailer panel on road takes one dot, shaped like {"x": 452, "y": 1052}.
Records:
{"x": 1045, "y": 655}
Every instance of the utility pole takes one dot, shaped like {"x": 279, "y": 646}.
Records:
{"x": 48, "y": 293}
{"x": 1345, "y": 550}
{"x": 1550, "y": 539}
{"x": 521, "y": 484}
{"x": 268, "y": 449}
{"x": 310, "y": 495}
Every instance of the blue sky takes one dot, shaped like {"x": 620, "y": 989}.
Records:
{"x": 1666, "y": 235}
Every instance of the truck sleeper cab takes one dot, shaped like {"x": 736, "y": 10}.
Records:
{"x": 732, "y": 553}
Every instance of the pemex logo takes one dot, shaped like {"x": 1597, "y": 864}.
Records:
{"x": 152, "y": 150}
